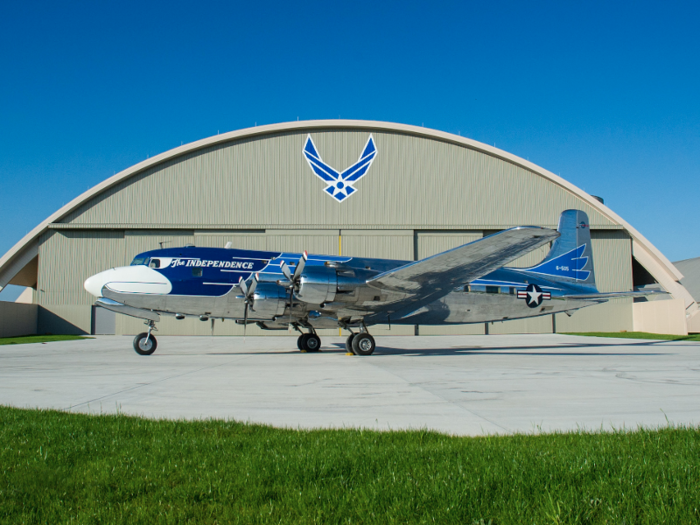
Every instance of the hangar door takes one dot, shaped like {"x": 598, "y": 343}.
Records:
{"x": 432, "y": 242}
{"x": 139, "y": 241}
{"x": 380, "y": 244}
{"x": 324, "y": 242}
{"x": 66, "y": 259}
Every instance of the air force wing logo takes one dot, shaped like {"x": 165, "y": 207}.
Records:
{"x": 340, "y": 185}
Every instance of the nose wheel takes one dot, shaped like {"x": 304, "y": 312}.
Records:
{"x": 309, "y": 343}
{"x": 145, "y": 343}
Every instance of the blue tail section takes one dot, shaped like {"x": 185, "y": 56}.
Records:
{"x": 571, "y": 257}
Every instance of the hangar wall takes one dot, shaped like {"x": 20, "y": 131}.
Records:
{"x": 421, "y": 196}
{"x": 266, "y": 183}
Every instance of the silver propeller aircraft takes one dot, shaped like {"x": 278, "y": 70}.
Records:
{"x": 276, "y": 290}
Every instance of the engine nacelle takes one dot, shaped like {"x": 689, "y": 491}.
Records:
{"x": 270, "y": 301}
{"x": 317, "y": 285}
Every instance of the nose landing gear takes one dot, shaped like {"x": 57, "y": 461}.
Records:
{"x": 145, "y": 343}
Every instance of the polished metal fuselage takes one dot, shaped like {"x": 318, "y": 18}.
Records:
{"x": 341, "y": 296}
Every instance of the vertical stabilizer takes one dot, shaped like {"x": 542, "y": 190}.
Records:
{"x": 571, "y": 257}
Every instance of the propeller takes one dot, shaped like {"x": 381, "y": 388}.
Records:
{"x": 248, "y": 298}
{"x": 294, "y": 279}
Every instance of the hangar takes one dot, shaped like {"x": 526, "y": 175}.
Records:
{"x": 425, "y": 192}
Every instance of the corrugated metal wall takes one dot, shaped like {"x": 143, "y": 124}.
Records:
{"x": 420, "y": 197}
{"x": 66, "y": 259}
{"x": 138, "y": 241}
{"x": 383, "y": 244}
{"x": 429, "y": 243}
{"x": 414, "y": 183}
{"x": 612, "y": 258}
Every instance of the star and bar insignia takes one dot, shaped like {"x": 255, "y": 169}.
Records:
{"x": 533, "y": 295}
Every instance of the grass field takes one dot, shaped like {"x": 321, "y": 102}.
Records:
{"x": 640, "y": 335}
{"x": 26, "y": 339}
{"x": 58, "y": 468}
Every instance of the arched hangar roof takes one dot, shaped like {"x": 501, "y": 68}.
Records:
{"x": 18, "y": 266}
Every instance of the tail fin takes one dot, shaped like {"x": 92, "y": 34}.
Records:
{"x": 571, "y": 258}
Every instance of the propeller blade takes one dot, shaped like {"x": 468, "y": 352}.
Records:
{"x": 253, "y": 285}
{"x": 286, "y": 271}
{"x": 245, "y": 320}
{"x": 243, "y": 286}
{"x": 300, "y": 266}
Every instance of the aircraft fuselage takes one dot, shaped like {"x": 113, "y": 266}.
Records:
{"x": 204, "y": 282}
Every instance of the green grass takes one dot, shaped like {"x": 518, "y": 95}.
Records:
{"x": 640, "y": 335}
{"x": 58, "y": 468}
{"x": 26, "y": 339}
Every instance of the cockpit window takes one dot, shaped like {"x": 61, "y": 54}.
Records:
{"x": 138, "y": 261}
{"x": 155, "y": 263}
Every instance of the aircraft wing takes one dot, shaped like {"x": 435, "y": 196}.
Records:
{"x": 416, "y": 284}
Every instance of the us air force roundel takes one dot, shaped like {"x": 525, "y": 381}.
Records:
{"x": 533, "y": 295}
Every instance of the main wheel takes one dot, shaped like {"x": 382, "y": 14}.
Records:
{"x": 363, "y": 344}
{"x": 145, "y": 345}
{"x": 300, "y": 341}
{"x": 312, "y": 343}
{"x": 348, "y": 344}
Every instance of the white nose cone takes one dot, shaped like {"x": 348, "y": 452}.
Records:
{"x": 94, "y": 284}
{"x": 129, "y": 279}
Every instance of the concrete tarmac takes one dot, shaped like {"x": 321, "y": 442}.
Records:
{"x": 463, "y": 385}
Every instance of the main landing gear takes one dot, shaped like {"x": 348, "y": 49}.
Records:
{"x": 145, "y": 343}
{"x": 360, "y": 344}
{"x": 309, "y": 342}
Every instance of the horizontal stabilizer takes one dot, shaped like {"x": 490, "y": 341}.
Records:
{"x": 615, "y": 295}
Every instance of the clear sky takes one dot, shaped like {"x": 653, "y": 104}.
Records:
{"x": 606, "y": 94}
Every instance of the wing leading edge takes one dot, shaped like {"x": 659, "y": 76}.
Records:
{"x": 422, "y": 282}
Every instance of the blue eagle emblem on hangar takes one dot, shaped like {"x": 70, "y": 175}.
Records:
{"x": 340, "y": 184}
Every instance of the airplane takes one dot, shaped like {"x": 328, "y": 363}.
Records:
{"x": 279, "y": 290}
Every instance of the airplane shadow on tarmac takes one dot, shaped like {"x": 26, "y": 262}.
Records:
{"x": 566, "y": 349}
{"x": 548, "y": 350}
{"x": 553, "y": 350}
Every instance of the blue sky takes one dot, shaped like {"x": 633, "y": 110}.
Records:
{"x": 606, "y": 94}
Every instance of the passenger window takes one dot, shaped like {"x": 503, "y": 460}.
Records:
{"x": 155, "y": 263}
{"x": 196, "y": 272}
